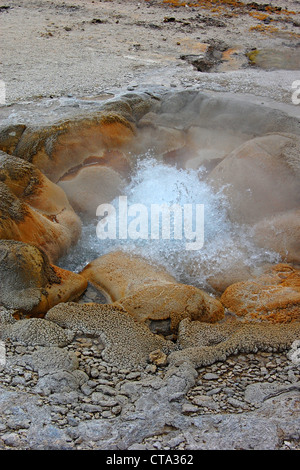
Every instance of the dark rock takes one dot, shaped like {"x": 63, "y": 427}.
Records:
{"x": 169, "y": 19}
{"x": 210, "y": 60}
{"x": 10, "y": 136}
{"x": 98, "y": 21}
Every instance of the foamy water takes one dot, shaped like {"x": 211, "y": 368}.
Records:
{"x": 156, "y": 183}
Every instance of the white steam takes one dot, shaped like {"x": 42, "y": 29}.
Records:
{"x": 156, "y": 183}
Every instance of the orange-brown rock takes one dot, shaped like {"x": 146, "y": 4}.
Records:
{"x": 10, "y": 136}
{"x": 172, "y": 302}
{"x": 274, "y": 296}
{"x": 35, "y": 210}
{"x": 30, "y": 284}
{"x": 85, "y": 156}
{"x": 119, "y": 274}
{"x": 148, "y": 292}
{"x": 60, "y": 148}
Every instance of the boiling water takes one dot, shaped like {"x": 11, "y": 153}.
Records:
{"x": 153, "y": 182}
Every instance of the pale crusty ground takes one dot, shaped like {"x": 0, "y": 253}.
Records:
{"x": 88, "y": 47}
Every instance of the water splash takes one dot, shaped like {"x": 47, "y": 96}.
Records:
{"x": 153, "y": 182}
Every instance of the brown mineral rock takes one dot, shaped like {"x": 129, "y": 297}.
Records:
{"x": 118, "y": 274}
{"x": 35, "y": 210}
{"x": 158, "y": 357}
{"x": 59, "y": 148}
{"x": 85, "y": 156}
{"x": 10, "y": 136}
{"x": 273, "y": 296}
{"x": 30, "y": 284}
{"x": 148, "y": 292}
{"x": 174, "y": 302}
{"x": 92, "y": 186}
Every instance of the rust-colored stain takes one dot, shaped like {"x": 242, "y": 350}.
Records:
{"x": 234, "y": 8}
{"x": 218, "y": 5}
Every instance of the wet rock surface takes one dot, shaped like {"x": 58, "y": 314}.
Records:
{"x": 90, "y": 374}
{"x": 35, "y": 210}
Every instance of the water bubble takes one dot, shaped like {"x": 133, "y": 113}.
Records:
{"x": 155, "y": 183}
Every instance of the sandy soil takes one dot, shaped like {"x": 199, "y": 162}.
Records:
{"x": 90, "y": 47}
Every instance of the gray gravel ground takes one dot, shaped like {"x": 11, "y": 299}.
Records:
{"x": 238, "y": 389}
